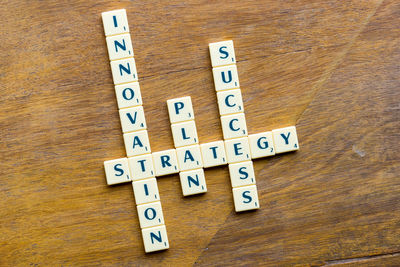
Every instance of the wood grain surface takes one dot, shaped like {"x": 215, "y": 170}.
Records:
{"x": 329, "y": 67}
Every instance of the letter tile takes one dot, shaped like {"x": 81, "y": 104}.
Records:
{"x": 137, "y": 143}
{"x": 184, "y": 133}
{"x": 132, "y": 119}
{"x": 237, "y": 149}
{"x": 119, "y": 46}
{"x": 226, "y": 78}
{"x": 141, "y": 167}
{"x": 189, "y": 157}
{"x": 261, "y": 145}
{"x": 124, "y": 70}
{"x": 222, "y": 53}
{"x": 128, "y": 95}
{"x": 117, "y": 171}
{"x": 193, "y": 182}
{"x": 155, "y": 238}
{"x": 150, "y": 214}
{"x": 180, "y": 109}
{"x": 230, "y": 102}
{"x": 213, "y": 154}
{"x": 145, "y": 191}
{"x": 165, "y": 162}
{"x": 115, "y": 22}
{"x": 234, "y": 125}
{"x": 245, "y": 198}
{"x": 242, "y": 173}
{"x": 285, "y": 139}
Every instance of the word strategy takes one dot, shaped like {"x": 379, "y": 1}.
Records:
{"x": 188, "y": 158}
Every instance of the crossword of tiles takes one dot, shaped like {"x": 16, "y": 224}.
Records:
{"x": 188, "y": 158}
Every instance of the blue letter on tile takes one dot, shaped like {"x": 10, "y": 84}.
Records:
{"x": 286, "y": 138}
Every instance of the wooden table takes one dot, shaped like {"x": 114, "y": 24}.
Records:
{"x": 329, "y": 67}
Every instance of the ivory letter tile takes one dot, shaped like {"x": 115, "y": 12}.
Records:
{"x": 155, "y": 238}
{"x": 246, "y": 198}
{"x": 261, "y": 145}
{"x": 117, "y": 171}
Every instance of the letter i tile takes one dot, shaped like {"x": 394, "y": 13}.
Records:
{"x": 230, "y": 104}
{"x": 139, "y": 166}
{"x": 188, "y": 151}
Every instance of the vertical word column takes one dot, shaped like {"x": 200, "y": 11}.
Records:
{"x": 135, "y": 133}
{"x": 187, "y": 146}
{"x": 234, "y": 127}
